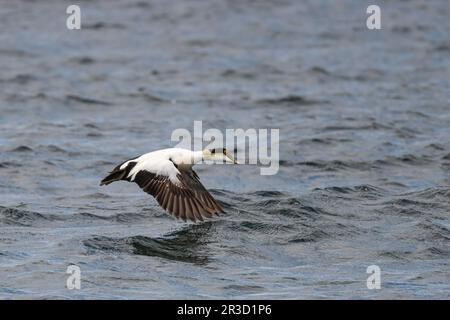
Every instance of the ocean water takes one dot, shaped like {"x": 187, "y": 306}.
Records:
{"x": 364, "y": 119}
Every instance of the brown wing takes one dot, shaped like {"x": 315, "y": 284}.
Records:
{"x": 188, "y": 200}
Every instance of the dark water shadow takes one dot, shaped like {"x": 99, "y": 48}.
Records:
{"x": 186, "y": 245}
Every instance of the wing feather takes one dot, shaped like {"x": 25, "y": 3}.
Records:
{"x": 184, "y": 198}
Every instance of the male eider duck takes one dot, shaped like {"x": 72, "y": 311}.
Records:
{"x": 168, "y": 176}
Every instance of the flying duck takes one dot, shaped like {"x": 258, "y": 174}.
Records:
{"x": 168, "y": 176}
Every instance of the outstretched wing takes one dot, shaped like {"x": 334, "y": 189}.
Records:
{"x": 185, "y": 197}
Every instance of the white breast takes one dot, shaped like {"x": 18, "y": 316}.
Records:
{"x": 161, "y": 162}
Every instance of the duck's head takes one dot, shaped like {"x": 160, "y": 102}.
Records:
{"x": 219, "y": 154}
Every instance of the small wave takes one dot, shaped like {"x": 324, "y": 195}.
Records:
{"x": 435, "y": 146}
{"x": 424, "y": 206}
{"x": 21, "y": 79}
{"x": 22, "y": 149}
{"x": 96, "y": 195}
{"x": 401, "y": 29}
{"x": 416, "y": 113}
{"x": 336, "y": 165}
{"x": 407, "y": 206}
{"x": 17, "y": 217}
{"x": 87, "y": 100}
{"x": 152, "y": 97}
{"x": 103, "y": 25}
{"x": 290, "y": 100}
{"x": 240, "y": 289}
{"x": 56, "y": 149}
{"x": 442, "y": 47}
{"x": 267, "y": 228}
{"x": 319, "y": 70}
{"x": 430, "y": 252}
{"x": 16, "y": 53}
{"x": 428, "y": 230}
{"x": 371, "y": 126}
{"x": 231, "y": 73}
{"x": 91, "y": 126}
{"x": 19, "y": 97}
{"x": 436, "y": 193}
{"x": 104, "y": 163}
{"x": 309, "y": 236}
{"x": 324, "y": 141}
{"x": 9, "y": 164}
{"x": 267, "y": 193}
{"x": 83, "y": 60}
{"x": 125, "y": 217}
{"x": 287, "y": 206}
{"x": 369, "y": 75}
{"x": 411, "y": 159}
{"x": 360, "y": 189}
{"x": 94, "y": 135}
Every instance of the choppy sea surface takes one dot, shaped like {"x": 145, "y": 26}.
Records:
{"x": 364, "y": 119}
